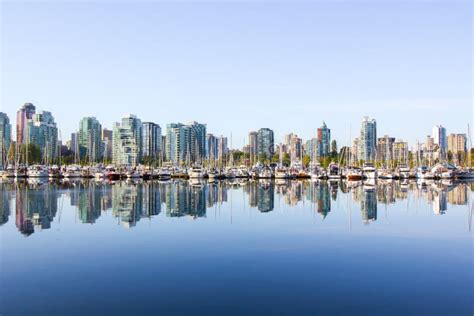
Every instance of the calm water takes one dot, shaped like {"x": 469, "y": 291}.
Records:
{"x": 231, "y": 248}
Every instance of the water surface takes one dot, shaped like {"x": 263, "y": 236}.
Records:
{"x": 235, "y": 248}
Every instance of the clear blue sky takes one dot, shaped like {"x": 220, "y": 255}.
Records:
{"x": 240, "y": 66}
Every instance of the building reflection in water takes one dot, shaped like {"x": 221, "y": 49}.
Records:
{"x": 368, "y": 204}
{"x": 323, "y": 198}
{"x": 265, "y": 196}
{"x": 36, "y": 202}
{"x": 36, "y": 206}
{"x": 5, "y": 197}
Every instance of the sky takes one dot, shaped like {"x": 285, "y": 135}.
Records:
{"x": 240, "y": 66}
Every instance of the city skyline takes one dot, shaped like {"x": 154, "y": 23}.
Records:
{"x": 133, "y": 142}
{"x": 410, "y": 75}
{"x": 355, "y": 131}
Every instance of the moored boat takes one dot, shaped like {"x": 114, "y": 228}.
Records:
{"x": 37, "y": 171}
{"x": 354, "y": 174}
{"x": 369, "y": 171}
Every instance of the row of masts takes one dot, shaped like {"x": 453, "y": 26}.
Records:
{"x": 346, "y": 158}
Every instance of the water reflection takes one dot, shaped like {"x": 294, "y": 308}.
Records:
{"x": 37, "y": 203}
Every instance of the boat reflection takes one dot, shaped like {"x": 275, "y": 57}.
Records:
{"x": 37, "y": 203}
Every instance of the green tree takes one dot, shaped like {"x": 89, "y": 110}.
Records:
{"x": 286, "y": 160}
{"x": 34, "y": 153}
{"x": 237, "y": 156}
{"x": 12, "y": 153}
{"x": 276, "y": 158}
{"x": 306, "y": 160}
{"x": 471, "y": 156}
{"x": 333, "y": 148}
{"x": 450, "y": 156}
{"x": 325, "y": 161}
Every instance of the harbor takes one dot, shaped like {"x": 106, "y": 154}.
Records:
{"x": 259, "y": 171}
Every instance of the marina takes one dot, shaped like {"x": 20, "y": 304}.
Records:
{"x": 259, "y": 171}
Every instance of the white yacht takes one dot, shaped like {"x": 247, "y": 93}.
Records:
{"x": 448, "y": 174}
{"x": 265, "y": 173}
{"x": 231, "y": 173}
{"x": 164, "y": 173}
{"x": 424, "y": 173}
{"x": 369, "y": 171}
{"x": 242, "y": 172}
{"x": 196, "y": 172}
{"x": 132, "y": 174}
{"x": 281, "y": 173}
{"x": 72, "y": 171}
{"x": 333, "y": 171}
{"x": 353, "y": 174}
{"x": 37, "y": 171}
{"x": 9, "y": 172}
{"x": 403, "y": 171}
{"x": 21, "y": 171}
{"x": 465, "y": 174}
{"x": 386, "y": 174}
{"x": 54, "y": 172}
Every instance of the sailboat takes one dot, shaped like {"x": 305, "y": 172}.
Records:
{"x": 9, "y": 170}
{"x": 280, "y": 171}
{"x": 353, "y": 173}
{"x": 21, "y": 170}
{"x": 467, "y": 173}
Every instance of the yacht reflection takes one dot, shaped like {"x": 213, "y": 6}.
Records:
{"x": 36, "y": 203}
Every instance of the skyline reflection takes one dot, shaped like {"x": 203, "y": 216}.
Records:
{"x": 36, "y": 204}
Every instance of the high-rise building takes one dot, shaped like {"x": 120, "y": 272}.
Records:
{"x": 296, "y": 147}
{"x": 5, "y": 137}
{"x": 222, "y": 148}
{"x": 324, "y": 141}
{"x": 253, "y": 145}
{"x": 211, "y": 147}
{"x": 385, "y": 148}
{"x": 163, "y": 147}
{"x": 457, "y": 143}
{"x": 90, "y": 139}
{"x": 429, "y": 151}
{"x": 367, "y": 139}
{"x": 287, "y": 139}
{"x": 176, "y": 142}
{"x": 41, "y": 130}
{"x": 311, "y": 148}
{"x": 197, "y": 141}
{"x": 107, "y": 136}
{"x": 400, "y": 151}
{"x": 185, "y": 143}
{"x": 246, "y": 150}
{"x": 127, "y": 141}
{"x": 439, "y": 137}
{"x": 24, "y": 114}
{"x": 265, "y": 143}
{"x": 75, "y": 142}
{"x": 355, "y": 150}
{"x": 429, "y": 145}
{"x": 151, "y": 139}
